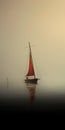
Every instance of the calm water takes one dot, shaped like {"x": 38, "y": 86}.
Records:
{"x": 24, "y": 91}
{"x": 23, "y": 98}
{"x": 13, "y": 91}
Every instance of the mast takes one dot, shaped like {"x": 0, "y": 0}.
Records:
{"x": 30, "y": 48}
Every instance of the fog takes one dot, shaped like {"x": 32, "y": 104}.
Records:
{"x": 42, "y": 22}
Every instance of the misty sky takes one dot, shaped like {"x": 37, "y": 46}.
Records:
{"x": 42, "y": 22}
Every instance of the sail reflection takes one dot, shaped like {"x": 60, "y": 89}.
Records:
{"x": 32, "y": 90}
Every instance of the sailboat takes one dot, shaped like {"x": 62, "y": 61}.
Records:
{"x": 30, "y": 77}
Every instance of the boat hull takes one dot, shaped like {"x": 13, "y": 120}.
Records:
{"x": 32, "y": 81}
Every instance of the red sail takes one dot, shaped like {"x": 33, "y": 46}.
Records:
{"x": 31, "y": 68}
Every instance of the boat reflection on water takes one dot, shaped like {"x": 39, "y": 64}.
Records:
{"x": 32, "y": 90}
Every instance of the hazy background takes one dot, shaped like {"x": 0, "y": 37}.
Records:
{"x": 42, "y": 22}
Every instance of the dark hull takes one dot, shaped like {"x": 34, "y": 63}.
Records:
{"x": 32, "y": 81}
